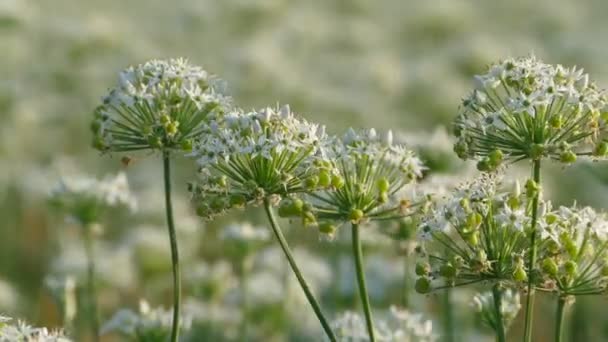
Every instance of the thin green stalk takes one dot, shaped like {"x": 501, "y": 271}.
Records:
{"x": 358, "y": 253}
{"x": 532, "y": 260}
{"x": 448, "y": 316}
{"x": 244, "y": 298}
{"x": 91, "y": 290}
{"x": 500, "y": 327}
{"x": 406, "y": 282}
{"x": 562, "y": 304}
{"x": 174, "y": 250}
{"x": 294, "y": 267}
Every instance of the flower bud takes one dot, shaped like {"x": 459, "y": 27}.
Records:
{"x": 423, "y": 285}
{"x": 423, "y": 268}
{"x": 383, "y": 185}
{"x": 567, "y": 157}
{"x": 496, "y": 158}
{"x": 520, "y": 274}
{"x": 155, "y": 141}
{"x": 447, "y": 270}
{"x": 571, "y": 268}
{"x": 186, "y": 145}
{"x": 311, "y": 182}
{"x": 238, "y": 200}
{"x": 383, "y": 197}
{"x": 356, "y": 215}
{"x": 531, "y": 188}
{"x": 550, "y": 266}
{"x": 337, "y": 181}
{"x": 601, "y": 149}
{"x": 324, "y": 179}
{"x": 556, "y": 121}
{"x": 461, "y": 148}
{"x": 484, "y": 165}
{"x": 327, "y": 228}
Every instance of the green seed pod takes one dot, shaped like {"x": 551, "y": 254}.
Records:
{"x": 461, "y": 149}
{"x": 423, "y": 285}
{"x": 473, "y": 238}
{"x": 337, "y": 181}
{"x": 238, "y": 200}
{"x": 484, "y": 165}
{"x": 155, "y": 141}
{"x": 447, "y": 270}
{"x": 324, "y": 179}
{"x": 520, "y": 274}
{"x": 571, "y": 268}
{"x": 567, "y": 157}
{"x": 550, "y": 266}
{"x": 327, "y": 228}
{"x": 356, "y": 215}
{"x": 601, "y": 149}
{"x": 311, "y": 182}
{"x": 383, "y": 185}
{"x": 165, "y": 119}
{"x": 495, "y": 158}
{"x": 186, "y": 145}
{"x": 423, "y": 268}
{"x": 531, "y": 188}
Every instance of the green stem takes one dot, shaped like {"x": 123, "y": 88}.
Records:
{"x": 91, "y": 290}
{"x": 358, "y": 253}
{"x": 448, "y": 316}
{"x": 244, "y": 298}
{"x": 174, "y": 250}
{"x": 562, "y": 304}
{"x": 406, "y": 282}
{"x": 500, "y": 327}
{"x": 532, "y": 261}
{"x": 294, "y": 267}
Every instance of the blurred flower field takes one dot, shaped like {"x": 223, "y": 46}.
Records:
{"x": 403, "y": 66}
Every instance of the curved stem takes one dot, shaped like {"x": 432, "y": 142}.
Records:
{"x": 294, "y": 267}
{"x": 500, "y": 327}
{"x": 174, "y": 250}
{"x": 532, "y": 260}
{"x": 91, "y": 290}
{"x": 562, "y": 304}
{"x": 358, "y": 253}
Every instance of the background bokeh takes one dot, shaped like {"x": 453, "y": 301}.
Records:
{"x": 395, "y": 64}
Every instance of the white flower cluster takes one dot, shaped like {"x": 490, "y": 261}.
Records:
{"x": 574, "y": 251}
{"x": 528, "y": 109}
{"x": 252, "y": 156}
{"x": 83, "y": 197}
{"x": 21, "y": 331}
{"x": 478, "y": 233}
{"x": 401, "y": 326}
{"x": 369, "y": 181}
{"x": 509, "y": 307}
{"x": 158, "y": 104}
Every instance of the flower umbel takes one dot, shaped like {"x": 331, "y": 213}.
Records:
{"x": 161, "y": 104}
{"x": 370, "y": 175}
{"x": 526, "y": 109}
{"x": 256, "y": 155}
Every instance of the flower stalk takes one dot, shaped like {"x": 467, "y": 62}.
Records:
{"x": 292, "y": 263}
{"x": 358, "y": 254}
{"x": 500, "y": 327}
{"x": 174, "y": 249}
{"x": 562, "y": 305}
{"x": 90, "y": 286}
{"x": 532, "y": 260}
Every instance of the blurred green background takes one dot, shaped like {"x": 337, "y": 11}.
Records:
{"x": 386, "y": 64}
